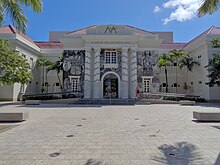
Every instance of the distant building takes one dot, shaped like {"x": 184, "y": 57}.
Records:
{"x": 112, "y": 61}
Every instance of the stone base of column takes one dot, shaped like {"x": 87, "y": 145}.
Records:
{"x": 97, "y": 90}
{"x": 124, "y": 90}
{"x": 133, "y": 90}
{"x": 87, "y": 90}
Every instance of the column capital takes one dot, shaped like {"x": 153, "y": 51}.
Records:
{"x": 133, "y": 49}
{"x": 96, "y": 49}
{"x": 124, "y": 49}
{"x": 88, "y": 49}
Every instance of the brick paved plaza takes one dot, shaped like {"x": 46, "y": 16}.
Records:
{"x": 110, "y": 135}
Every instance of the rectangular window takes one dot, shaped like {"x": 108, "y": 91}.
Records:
{"x": 114, "y": 58}
{"x": 108, "y": 57}
{"x": 74, "y": 84}
{"x": 111, "y": 57}
{"x": 147, "y": 86}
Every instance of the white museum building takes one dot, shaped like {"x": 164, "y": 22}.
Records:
{"x": 112, "y": 61}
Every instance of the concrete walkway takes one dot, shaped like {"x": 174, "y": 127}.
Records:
{"x": 110, "y": 135}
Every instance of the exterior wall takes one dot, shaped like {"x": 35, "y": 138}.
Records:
{"x": 31, "y": 58}
{"x": 6, "y": 93}
{"x": 198, "y": 78}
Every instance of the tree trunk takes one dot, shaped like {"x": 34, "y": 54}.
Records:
{"x": 186, "y": 80}
{"x": 166, "y": 79}
{"x": 61, "y": 87}
{"x": 46, "y": 82}
{"x": 176, "y": 78}
{"x": 42, "y": 90}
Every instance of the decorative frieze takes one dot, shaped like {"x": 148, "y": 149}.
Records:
{"x": 112, "y": 42}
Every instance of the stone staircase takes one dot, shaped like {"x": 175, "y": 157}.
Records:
{"x": 105, "y": 101}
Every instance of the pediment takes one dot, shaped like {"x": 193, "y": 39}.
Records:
{"x": 111, "y": 30}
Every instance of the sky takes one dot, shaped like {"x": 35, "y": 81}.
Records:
{"x": 177, "y": 16}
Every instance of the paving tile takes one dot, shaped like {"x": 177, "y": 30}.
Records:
{"x": 163, "y": 134}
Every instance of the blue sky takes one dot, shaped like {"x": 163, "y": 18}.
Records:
{"x": 69, "y": 15}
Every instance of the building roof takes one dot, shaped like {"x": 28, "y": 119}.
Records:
{"x": 171, "y": 46}
{"x": 49, "y": 45}
{"x": 212, "y": 30}
{"x": 9, "y": 29}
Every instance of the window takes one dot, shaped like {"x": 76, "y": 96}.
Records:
{"x": 111, "y": 57}
{"x": 147, "y": 86}
{"x": 24, "y": 56}
{"x": 164, "y": 85}
{"x": 32, "y": 62}
{"x": 74, "y": 84}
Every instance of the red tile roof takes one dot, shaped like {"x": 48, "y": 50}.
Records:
{"x": 171, "y": 46}
{"x": 9, "y": 29}
{"x": 49, "y": 45}
{"x": 81, "y": 31}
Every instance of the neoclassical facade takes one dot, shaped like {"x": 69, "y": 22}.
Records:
{"x": 111, "y": 61}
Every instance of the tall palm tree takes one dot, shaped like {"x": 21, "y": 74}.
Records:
{"x": 14, "y": 8}
{"x": 208, "y": 7}
{"x": 177, "y": 55}
{"x": 58, "y": 66}
{"x": 44, "y": 63}
{"x": 188, "y": 63}
{"x": 164, "y": 61}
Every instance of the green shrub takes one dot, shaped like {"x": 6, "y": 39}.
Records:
{"x": 176, "y": 98}
{"x": 39, "y": 97}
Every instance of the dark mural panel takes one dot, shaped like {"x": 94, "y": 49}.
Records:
{"x": 73, "y": 65}
{"x": 147, "y": 66}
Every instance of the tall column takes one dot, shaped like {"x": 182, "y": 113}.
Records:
{"x": 96, "y": 75}
{"x": 124, "y": 82}
{"x": 87, "y": 78}
{"x": 133, "y": 73}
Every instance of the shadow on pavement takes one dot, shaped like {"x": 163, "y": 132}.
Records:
{"x": 93, "y": 162}
{"x": 180, "y": 153}
{"x": 217, "y": 162}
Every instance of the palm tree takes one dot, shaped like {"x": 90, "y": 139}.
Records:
{"x": 165, "y": 60}
{"x": 188, "y": 63}
{"x": 44, "y": 63}
{"x": 14, "y": 8}
{"x": 208, "y": 7}
{"x": 177, "y": 55}
{"x": 58, "y": 66}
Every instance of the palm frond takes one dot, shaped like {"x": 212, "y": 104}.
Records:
{"x": 16, "y": 13}
{"x": 208, "y": 7}
{"x": 36, "y": 5}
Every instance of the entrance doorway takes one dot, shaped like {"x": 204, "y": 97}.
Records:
{"x": 110, "y": 86}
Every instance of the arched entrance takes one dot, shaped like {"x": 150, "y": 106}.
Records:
{"x": 110, "y": 86}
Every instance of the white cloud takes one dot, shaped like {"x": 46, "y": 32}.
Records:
{"x": 156, "y": 9}
{"x": 182, "y": 10}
